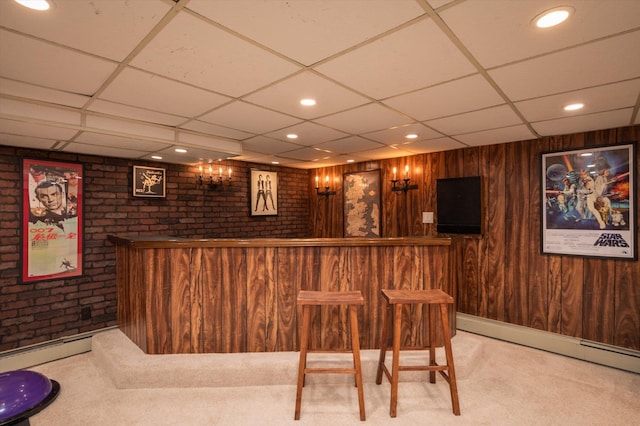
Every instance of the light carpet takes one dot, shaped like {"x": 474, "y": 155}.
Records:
{"x": 498, "y": 384}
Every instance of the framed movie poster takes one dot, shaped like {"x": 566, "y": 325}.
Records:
{"x": 264, "y": 193}
{"x": 51, "y": 220}
{"x": 149, "y": 182}
{"x": 362, "y": 204}
{"x": 589, "y": 202}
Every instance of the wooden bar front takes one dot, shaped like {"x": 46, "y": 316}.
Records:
{"x": 205, "y": 296}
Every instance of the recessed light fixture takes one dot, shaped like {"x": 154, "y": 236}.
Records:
{"x": 351, "y": 161}
{"x": 181, "y": 150}
{"x": 574, "y": 107}
{"x": 275, "y": 162}
{"x": 552, "y": 17}
{"x": 156, "y": 157}
{"x": 308, "y": 102}
{"x": 34, "y": 4}
{"x": 586, "y": 154}
{"x": 411, "y": 136}
{"x": 292, "y": 136}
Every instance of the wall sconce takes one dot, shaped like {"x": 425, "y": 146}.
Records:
{"x": 326, "y": 191}
{"x": 214, "y": 182}
{"x": 405, "y": 185}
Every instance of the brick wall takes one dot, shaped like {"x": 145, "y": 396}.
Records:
{"x": 36, "y": 312}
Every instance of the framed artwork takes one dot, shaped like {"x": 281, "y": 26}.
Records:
{"x": 362, "y": 204}
{"x": 149, "y": 182}
{"x": 588, "y": 202}
{"x": 51, "y": 220}
{"x": 264, "y": 193}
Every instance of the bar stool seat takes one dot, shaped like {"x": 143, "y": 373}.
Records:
{"x": 396, "y": 299}
{"x": 308, "y": 299}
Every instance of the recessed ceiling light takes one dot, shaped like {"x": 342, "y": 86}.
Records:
{"x": 34, "y": 4}
{"x": 411, "y": 136}
{"x": 275, "y": 162}
{"x": 292, "y": 136}
{"x": 351, "y": 161}
{"x": 574, "y": 107}
{"x": 156, "y": 157}
{"x": 552, "y": 17}
{"x": 181, "y": 150}
{"x": 586, "y": 154}
{"x": 308, "y": 102}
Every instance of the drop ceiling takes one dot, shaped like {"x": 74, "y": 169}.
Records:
{"x": 223, "y": 79}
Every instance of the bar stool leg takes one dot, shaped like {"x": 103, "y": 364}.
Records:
{"x": 432, "y": 344}
{"x": 355, "y": 348}
{"x": 384, "y": 336}
{"x": 397, "y": 325}
{"x": 449, "y": 354}
{"x": 302, "y": 365}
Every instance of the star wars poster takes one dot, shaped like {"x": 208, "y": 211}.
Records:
{"x": 52, "y": 220}
{"x": 588, "y": 202}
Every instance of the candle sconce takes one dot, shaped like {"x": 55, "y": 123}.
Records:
{"x": 326, "y": 191}
{"x": 405, "y": 186}
{"x": 212, "y": 182}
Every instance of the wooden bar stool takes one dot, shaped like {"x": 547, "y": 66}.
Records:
{"x": 309, "y": 299}
{"x": 396, "y": 299}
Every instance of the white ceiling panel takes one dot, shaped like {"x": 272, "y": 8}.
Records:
{"x": 144, "y": 90}
{"x": 123, "y": 22}
{"x": 224, "y": 78}
{"x": 417, "y": 56}
{"x": 308, "y": 134}
{"x": 365, "y": 119}
{"x": 327, "y": 26}
{"x": 251, "y": 118}
{"x": 30, "y": 91}
{"x": 191, "y": 50}
{"x": 602, "y": 120}
{"x": 285, "y": 96}
{"x": 577, "y": 68}
{"x": 74, "y": 72}
{"x": 596, "y": 99}
{"x": 500, "y": 116}
{"x": 349, "y": 145}
{"x": 503, "y": 135}
{"x": 134, "y": 113}
{"x": 445, "y": 99}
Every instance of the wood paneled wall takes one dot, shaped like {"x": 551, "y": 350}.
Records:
{"x": 502, "y": 274}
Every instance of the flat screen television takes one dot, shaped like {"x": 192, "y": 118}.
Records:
{"x": 459, "y": 205}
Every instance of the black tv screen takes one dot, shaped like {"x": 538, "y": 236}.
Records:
{"x": 459, "y": 206}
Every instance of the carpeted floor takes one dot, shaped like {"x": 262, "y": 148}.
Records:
{"x": 499, "y": 384}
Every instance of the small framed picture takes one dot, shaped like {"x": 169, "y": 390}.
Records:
{"x": 149, "y": 182}
{"x": 264, "y": 193}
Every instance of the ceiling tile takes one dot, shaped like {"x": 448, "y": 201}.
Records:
{"x": 85, "y": 25}
{"x": 500, "y": 116}
{"x": 385, "y": 152}
{"x": 134, "y": 113}
{"x": 444, "y": 99}
{"x": 577, "y": 68}
{"x": 74, "y": 72}
{"x": 596, "y": 99}
{"x": 30, "y": 91}
{"x": 326, "y": 26}
{"x": 37, "y": 130}
{"x": 26, "y": 141}
{"x": 499, "y": 32}
{"x": 112, "y": 141}
{"x": 396, "y": 135}
{"x": 584, "y": 123}
{"x": 497, "y": 136}
{"x": 241, "y": 115}
{"x": 265, "y": 145}
{"x": 432, "y": 145}
{"x": 212, "y": 129}
{"x": 413, "y": 65}
{"x": 141, "y": 89}
{"x": 83, "y": 148}
{"x": 285, "y": 96}
{"x": 348, "y": 145}
{"x": 365, "y": 119}
{"x": 306, "y": 154}
{"x": 196, "y": 52}
{"x": 308, "y": 134}
{"x": 129, "y": 127}
{"x": 39, "y": 112}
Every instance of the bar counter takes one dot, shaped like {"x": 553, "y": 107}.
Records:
{"x": 179, "y": 295}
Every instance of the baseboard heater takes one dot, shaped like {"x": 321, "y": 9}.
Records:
{"x": 586, "y": 350}
{"x": 41, "y": 353}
